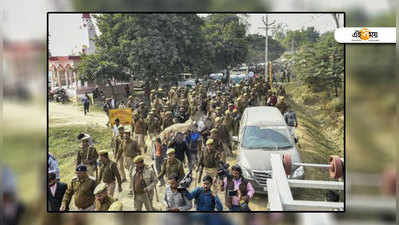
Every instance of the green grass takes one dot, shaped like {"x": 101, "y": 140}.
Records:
{"x": 64, "y": 145}
{"x": 320, "y": 132}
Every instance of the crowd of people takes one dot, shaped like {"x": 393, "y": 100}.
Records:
{"x": 212, "y": 112}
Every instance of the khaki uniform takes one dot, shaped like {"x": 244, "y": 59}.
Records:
{"x": 154, "y": 126}
{"x": 209, "y": 159}
{"x": 223, "y": 135}
{"x": 218, "y": 144}
{"x": 104, "y": 205}
{"x": 88, "y": 157}
{"x": 140, "y": 130}
{"x": 236, "y": 122}
{"x": 173, "y": 168}
{"x": 109, "y": 174}
{"x": 82, "y": 190}
{"x": 119, "y": 157}
{"x": 228, "y": 123}
{"x": 130, "y": 150}
{"x": 143, "y": 188}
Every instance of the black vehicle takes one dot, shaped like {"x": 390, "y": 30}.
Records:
{"x": 59, "y": 95}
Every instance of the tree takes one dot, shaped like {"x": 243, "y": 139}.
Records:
{"x": 225, "y": 34}
{"x": 145, "y": 46}
{"x": 300, "y": 37}
{"x": 279, "y": 31}
{"x": 256, "y": 49}
{"x": 321, "y": 65}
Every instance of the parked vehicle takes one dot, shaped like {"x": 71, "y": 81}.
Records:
{"x": 59, "y": 95}
{"x": 263, "y": 131}
{"x": 216, "y": 76}
{"x": 235, "y": 79}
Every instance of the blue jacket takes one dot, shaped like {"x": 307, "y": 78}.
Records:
{"x": 205, "y": 200}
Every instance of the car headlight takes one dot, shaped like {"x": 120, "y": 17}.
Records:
{"x": 298, "y": 172}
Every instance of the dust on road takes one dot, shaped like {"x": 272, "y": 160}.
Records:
{"x": 63, "y": 115}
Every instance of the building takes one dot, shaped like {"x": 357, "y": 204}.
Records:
{"x": 63, "y": 69}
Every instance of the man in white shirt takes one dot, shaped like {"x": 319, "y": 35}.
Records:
{"x": 174, "y": 199}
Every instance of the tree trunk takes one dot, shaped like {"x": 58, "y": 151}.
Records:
{"x": 227, "y": 75}
{"x": 112, "y": 91}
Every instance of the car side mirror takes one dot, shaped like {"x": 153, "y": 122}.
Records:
{"x": 235, "y": 138}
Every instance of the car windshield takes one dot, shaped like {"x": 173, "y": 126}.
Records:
{"x": 236, "y": 79}
{"x": 266, "y": 137}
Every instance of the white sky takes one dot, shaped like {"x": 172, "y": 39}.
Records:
{"x": 26, "y": 19}
{"x": 65, "y": 32}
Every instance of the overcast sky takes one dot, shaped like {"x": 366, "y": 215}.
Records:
{"x": 26, "y": 19}
{"x": 65, "y": 31}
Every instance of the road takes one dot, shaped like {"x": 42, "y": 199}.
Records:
{"x": 64, "y": 115}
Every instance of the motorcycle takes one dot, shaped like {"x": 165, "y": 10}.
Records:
{"x": 60, "y": 95}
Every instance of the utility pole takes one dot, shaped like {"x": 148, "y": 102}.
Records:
{"x": 265, "y": 21}
{"x": 267, "y": 26}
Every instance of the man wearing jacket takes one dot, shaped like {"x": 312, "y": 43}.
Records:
{"x": 205, "y": 200}
{"x": 55, "y": 191}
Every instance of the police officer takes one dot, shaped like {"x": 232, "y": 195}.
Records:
{"x": 223, "y": 136}
{"x": 210, "y": 158}
{"x": 103, "y": 200}
{"x": 119, "y": 154}
{"x": 154, "y": 124}
{"x": 167, "y": 120}
{"x": 171, "y": 166}
{"x": 87, "y": 156}
{"x": 236, "y": 121}
{"x": 81, "y": 187}
{"x": 143, "y": 180}
{"x": 130, "y": 103}
{"x": 140, "y": 130}
{"x": 109, "y": 173}
{"x": 217, "y": 143}
{"x": 130, "y": 150}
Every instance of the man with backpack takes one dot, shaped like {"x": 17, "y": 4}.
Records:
{"x": 292, "y": 122}
{"x": 194, "y": 142}
{"x": 203, "y": 197}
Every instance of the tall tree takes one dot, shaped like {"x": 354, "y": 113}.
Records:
{"x": 256, "y": 48}
{"x": 225, "y": 33}
{"x": 146, "y": 46}
{"x": 321, "y": 65}
{"x": 298, "y": 38}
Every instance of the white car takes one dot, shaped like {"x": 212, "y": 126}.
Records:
{"x": 263, "y": 131}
